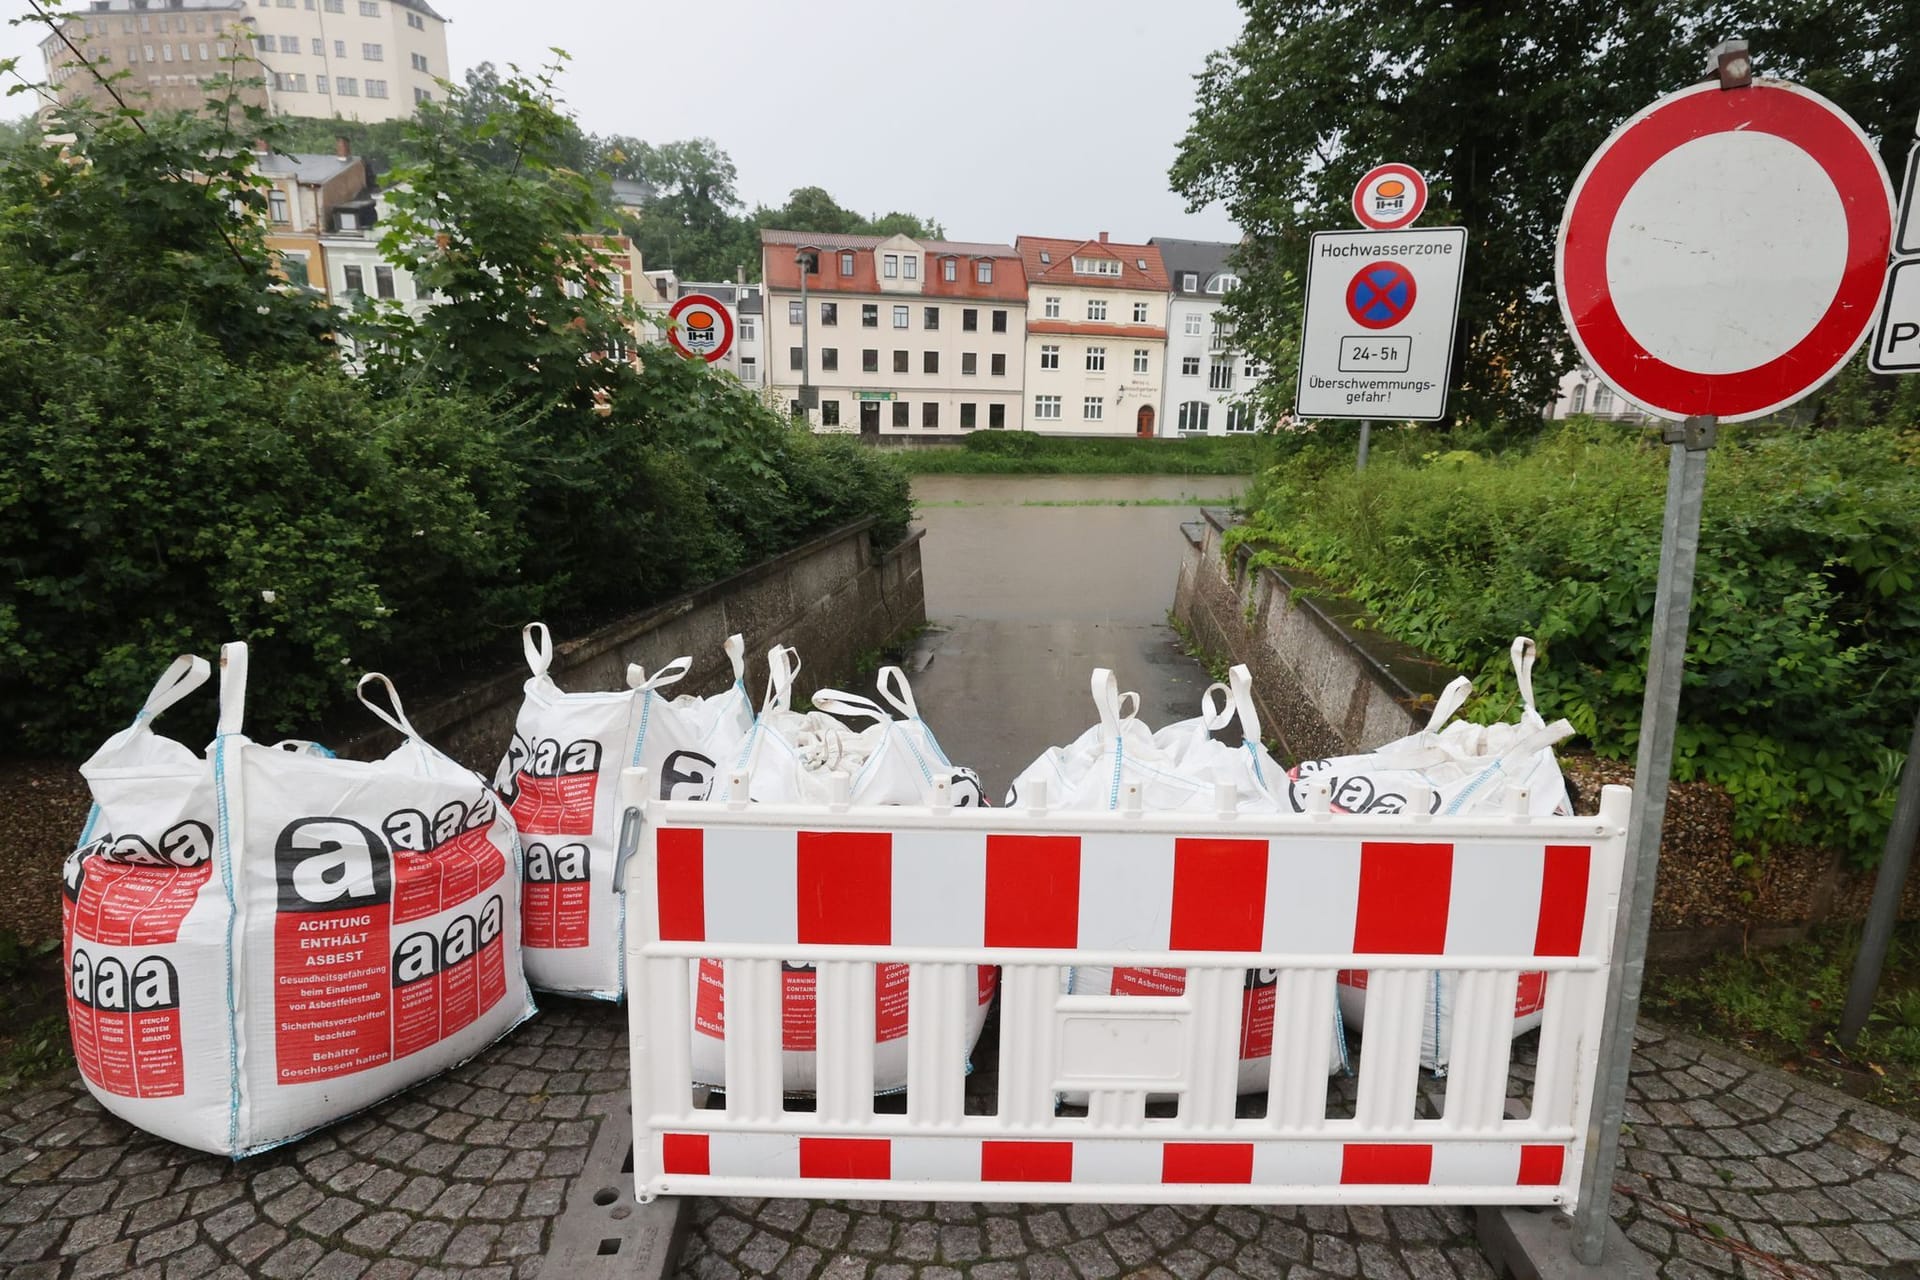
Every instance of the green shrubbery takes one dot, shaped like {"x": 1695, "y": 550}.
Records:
{"x": 1030, "y": 453}
{"x": 184, "y": 460}
{"x": 1803, "y": 667}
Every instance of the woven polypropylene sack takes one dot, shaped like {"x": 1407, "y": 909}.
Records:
{"x": 260, "y": 941}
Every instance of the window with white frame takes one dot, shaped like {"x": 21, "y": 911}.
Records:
{"x": 1603, "y": 399}
{"x": 1140, "y": 359}
{"x": 1189, "y": 366}
{"x": 1096, "y": 308}
{"x": 383, "y": 281}
{"x": 1189, "y": 282}
{"x": 277, "y": 205}
{"x": 376, "y": 88}
{"x": 890, "y": 266}
{"x": 419, "y": 60}
{"x": 320, "y": 84}
{"x": 354, "y": 281}
{"x": 1096, "y": 359}
{"x": 846, "y": 264}
{"x": 346, "y": 86}
{"x": 1579, "y": 398}
{"x": 1096, "y": 267}
{"x": 288, "y": 44}
{"x": 1093, "y": 408}
{"x": 1190, "y": 324}
{"x": 900, "y": 315}
{"x": 415, "y": 21}
{"x": 1220, "y": 375}
{"x": 1046, "y": 408}
{"x": 1223, "y": 283}
{"x": 317, "y": 46}
{"x": 369, "y": 8}
{"x": 796, "y": 312}
{"x": 910, "y": 266}
{"x": 983, "y": 271}
{"x": 1051, "y": 308}
{"x": 747, "y": 328}
{"x": 336, "y": 6}
{"x": 1193, "y": 416}
{"x": 1139, "y": 313}
{"x": 829, "y": 413}
{"x": 1240, "y": 417}
{"x": 1049, "y": 355}
{"x": 339, "y": 48}
{"x": 372, "y": 52}
{"x": 749, "y": 370}
{"x": 949, "y": 270}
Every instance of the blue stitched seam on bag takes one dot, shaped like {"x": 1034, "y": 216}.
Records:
{"x": 225, "y": 819}
{"x": 1340, "y": 1037}
{"x": 1466, "y": 793}
{"x": 1439, "y": 1067}
{"x": 1119, "y": 753}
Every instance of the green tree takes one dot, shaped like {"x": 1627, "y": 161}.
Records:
{"x": 1500, "y": 105}
{"x": 691, "y": 221}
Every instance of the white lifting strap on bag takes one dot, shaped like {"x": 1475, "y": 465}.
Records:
{"x": 665, "y": 678}
{"x": 185, "y": 674}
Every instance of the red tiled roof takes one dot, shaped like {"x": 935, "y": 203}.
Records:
{"x": 1095, "y": 329}
{"x": 781, "y": 272}
{"x": 1062, "y": 253}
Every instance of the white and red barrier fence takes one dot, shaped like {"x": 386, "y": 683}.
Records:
{"x": 943, "y": 890}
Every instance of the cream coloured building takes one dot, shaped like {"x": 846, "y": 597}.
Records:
{"x": 366, "y": 60}
{"x": 900, "y": 336}
{"x": 1096, "y": 336}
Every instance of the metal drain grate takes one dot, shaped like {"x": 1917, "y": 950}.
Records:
{"x": 602, "y": 1232}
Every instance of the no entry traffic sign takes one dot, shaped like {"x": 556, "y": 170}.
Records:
{"x": 1723, "y": 252}
{"x": 1381, "y": 295}
{"x": 1377, "y": 342}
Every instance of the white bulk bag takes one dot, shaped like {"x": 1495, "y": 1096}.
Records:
{"x": 559, "y": 776}
{"x": 1178, "y": 769}
{"x": 262, "y": 941}
{"x": 793, "y": 757}
{"x": 1470, "y": 768}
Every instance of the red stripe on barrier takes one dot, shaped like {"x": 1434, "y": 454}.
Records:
{"x": 1219, "y": 895}
{"x": 845, "y": 886}
{"x": 1033, "y": 891}
{"x": 1026, "y": 1161}
{"x": 1207, "y": 1162}
{"x": 1405, "y": 890}
{"x": 680, "y": 869}
{"x": 1542, "y": 1166}
{"x": 865, "y": 1158}
{"x": 1563, "y": 900}
{"x": 1397, "y": 1164}
{"x": 684, "y": 1153}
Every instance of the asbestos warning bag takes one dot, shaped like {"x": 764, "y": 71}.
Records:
{"x": 1181, "y": 768}
{"x": 559, "y": 777}
{"x": 793, "y": 757}
{"x": 263, "y": 940}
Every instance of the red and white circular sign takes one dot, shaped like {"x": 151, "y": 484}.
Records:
{"x": 1390, "y": 197}
{"x": 1724, "y": 251}
{"x": 702, "y": 328}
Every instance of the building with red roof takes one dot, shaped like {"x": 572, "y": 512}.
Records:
{"x": 895, "y": 336}
{"x": 1096, "y": 336}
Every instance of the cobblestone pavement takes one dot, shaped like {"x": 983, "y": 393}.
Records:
{"x": 462, "y": 1176}
{"x": 1731, "y": 1169}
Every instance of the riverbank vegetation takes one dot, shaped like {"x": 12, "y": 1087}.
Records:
{"x": 1029, "y": 453}
{"x": 185, "y": 458}
{"x": 1803, "y": 665}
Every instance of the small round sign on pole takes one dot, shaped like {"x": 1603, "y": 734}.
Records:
{"x": 1390, "y": 197}
{"x": 1723, "y": 252}
{"x": 702, "y": 327}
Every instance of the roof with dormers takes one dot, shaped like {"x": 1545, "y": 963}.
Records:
{"x": 1050, "y": 261}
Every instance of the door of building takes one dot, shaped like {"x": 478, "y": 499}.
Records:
{"x": 869, "y": 418}
{"x": 1145, "y": 427}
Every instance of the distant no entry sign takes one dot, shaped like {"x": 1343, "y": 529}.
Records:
{"x": 1723, "y": 252}
{"x": 1381, "y": 295}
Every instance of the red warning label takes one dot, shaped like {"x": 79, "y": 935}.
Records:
{"x": 332, "y": 963}
{"x": 557, "y": 896}
{"x": 125, "y": 1016}
{"x": 1256, "y": 1003}
{"x": 554, "y": 790}
{"x": 799, "y": 1004}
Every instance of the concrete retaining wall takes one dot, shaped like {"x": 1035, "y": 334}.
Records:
{"x": 831, "y": 598}
{"x": 1326, "y": 687}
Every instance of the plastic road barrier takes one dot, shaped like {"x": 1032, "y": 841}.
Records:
{"x": 943, "y": 889}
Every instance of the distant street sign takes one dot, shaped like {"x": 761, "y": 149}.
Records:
{"x": 703, "y": 328}
{"x": 1896, "y": 340}
{"x": 1380, "y": 315}
{"x": 1390, "y": 197}
{"x": 1723, "y": 252}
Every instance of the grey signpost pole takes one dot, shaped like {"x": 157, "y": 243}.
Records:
{"x": 1366, "y": 430}
{"x": 1666, "y": 662}
{"x": 1885, "y": 911}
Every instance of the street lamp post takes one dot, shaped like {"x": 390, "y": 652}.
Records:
{"x": 806, "y": 258}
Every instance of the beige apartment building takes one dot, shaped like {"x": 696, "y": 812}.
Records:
{"x": 1096, "y": 347}
{"x": 365, "y": 60}
{"x": 900, "y": 336}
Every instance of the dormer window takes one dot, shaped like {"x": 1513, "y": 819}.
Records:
{"x": 910, "y": 266}
{"x": 1189, "y": 282}
{"x": 1045, "y": 257}
{"x": 949, "y": 270}
{"x": 1223, "y": 282}
{"x": 983, "y": 271}
{"x": 890, "y": 266}
{"x": 1096, "y": 267}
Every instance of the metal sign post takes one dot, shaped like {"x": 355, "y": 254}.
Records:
{"x": 1666, "y": 662}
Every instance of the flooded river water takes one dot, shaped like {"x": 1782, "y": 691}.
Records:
{"x": 1033, "y": 581}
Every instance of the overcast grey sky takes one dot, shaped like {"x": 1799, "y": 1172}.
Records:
{"x": 998, "y": 117}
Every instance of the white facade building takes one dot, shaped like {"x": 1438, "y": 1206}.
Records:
{"x": 1096, "y": 336}
{"x": 900, "y": 336}
{"x": 1582, "y": 391}
{"x": 743, "y": 303}
{"x": 1207, "y": 379}
{"x": 357, "y": 59}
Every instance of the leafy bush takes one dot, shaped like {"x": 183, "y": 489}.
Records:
{"x": 185, "y": 461}
{"x": 1028, "y": 452}
{"x": 1803, "y": 663}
